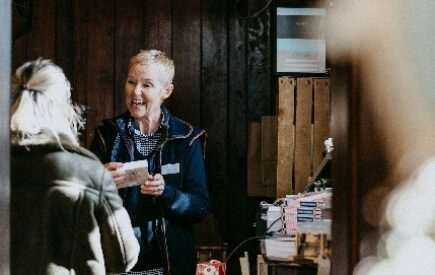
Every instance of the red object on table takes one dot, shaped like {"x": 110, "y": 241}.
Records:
{"x": 211, "y": 268}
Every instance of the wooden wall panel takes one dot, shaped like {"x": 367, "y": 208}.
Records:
{"x": 249, "y": 100}
{"x": 286, "y": 136}
{"x": 41, "y": 39}
{"x": 20, "y": 26}
{"x": 80, "y": 64}
{"x": 129, "y": 39}
{"x": 19, "y": 52}
{"x": 158, "y": 25}
{"x": 186, "y": 98}
{"x": 235, "y": 189}
{"x": 321, "y": 119}
{"x": 64, "y": 38}
{"x": 258, "y": 65}
{"x": 254, "y": 173}
{"x": 100, "y": 75}
{"x": 214, "y": 95}
{"x": 262, "y": 157}
{"x": 304, "y": 97}
{"x": 157, "y": 29}
{"x": 269, "y": 152}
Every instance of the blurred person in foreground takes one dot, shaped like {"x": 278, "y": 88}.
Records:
{"x": 163, "y": 207}
{"x": 66, "y": 214}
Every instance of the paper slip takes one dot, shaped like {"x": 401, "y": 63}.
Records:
{"x": 323, "y": 265}
{"x": 136, "y": 172}
{"x": 280, "y": 248}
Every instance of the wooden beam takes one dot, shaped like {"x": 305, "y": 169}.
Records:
{"x": 269, "y": 147}
{"x": 285, "y": 158}
{"x": 100, "y": 72}
{"x": 322, "y": 118}
{"x": 302, "y": 160}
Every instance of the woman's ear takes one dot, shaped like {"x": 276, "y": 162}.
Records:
{"x": 168, "y": 91}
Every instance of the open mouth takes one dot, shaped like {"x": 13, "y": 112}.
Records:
{"x": 138, "y": 102}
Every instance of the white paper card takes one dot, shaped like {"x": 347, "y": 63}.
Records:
{"x": 323, "y": 265}
{"x": 170, "y": 168}
{"x": 280, "y": 248}
{"x": 136, "y": 172}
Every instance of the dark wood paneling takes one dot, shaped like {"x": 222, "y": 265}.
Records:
{"x": 64, "y": 38}
{"x": 186, "y": 98}
{"x": 258, "y": 66}
{"x": 237, "y": 129}
{"x": 100, "y": 75}
{"x": 19, "y": 51}
{"x": 5, "y": 76}
{"x": 158, "y": 25}
{"x": 249, "y": 94}
{"x": 80, "y": 54}
{"x": 214, "y": 95}
{"x": 41, "y": 39}
{"x": 157, "y": 28}
{"x": 129, "y": 39}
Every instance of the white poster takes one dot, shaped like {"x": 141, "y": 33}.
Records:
{"x": 300, "y": 41}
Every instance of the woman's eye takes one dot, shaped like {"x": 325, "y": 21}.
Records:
{"x": 130, "y": 82}
{"x": 146, "y": 85}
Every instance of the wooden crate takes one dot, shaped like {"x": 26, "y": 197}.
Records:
{"x": 285, "y": 150}
{"x": 304, "y": 109}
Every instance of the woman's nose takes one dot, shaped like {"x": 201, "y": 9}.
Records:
{"x": 137, "y": 89}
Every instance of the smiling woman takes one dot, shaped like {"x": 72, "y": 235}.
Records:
{"x": 148, "y": 84}
{"x": 164, "y": 207}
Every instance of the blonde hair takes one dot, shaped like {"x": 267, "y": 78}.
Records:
{"x": 159, "y": 61}
{"x": 41, "y": 104}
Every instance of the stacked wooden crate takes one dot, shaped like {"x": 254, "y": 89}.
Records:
{"x": 290, "y": 146}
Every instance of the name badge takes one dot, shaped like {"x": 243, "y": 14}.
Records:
{"x": 170, "y": 168}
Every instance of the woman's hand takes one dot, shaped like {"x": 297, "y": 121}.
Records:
{"x": 117, "y": 173}
{"x": 155, "y": 185}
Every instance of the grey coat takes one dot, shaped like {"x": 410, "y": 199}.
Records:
{"x": 66, "y": 215}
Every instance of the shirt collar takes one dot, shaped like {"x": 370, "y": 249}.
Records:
{"x": 132, "y": 127}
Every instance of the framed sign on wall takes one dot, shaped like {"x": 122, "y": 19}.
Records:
{"x": 298, "y": 39}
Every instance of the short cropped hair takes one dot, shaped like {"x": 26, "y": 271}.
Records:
{"x": 41, "y": 103}
{"x": 159, "y": 61}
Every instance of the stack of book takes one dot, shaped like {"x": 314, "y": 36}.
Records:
{"x": 305, "y": 208}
